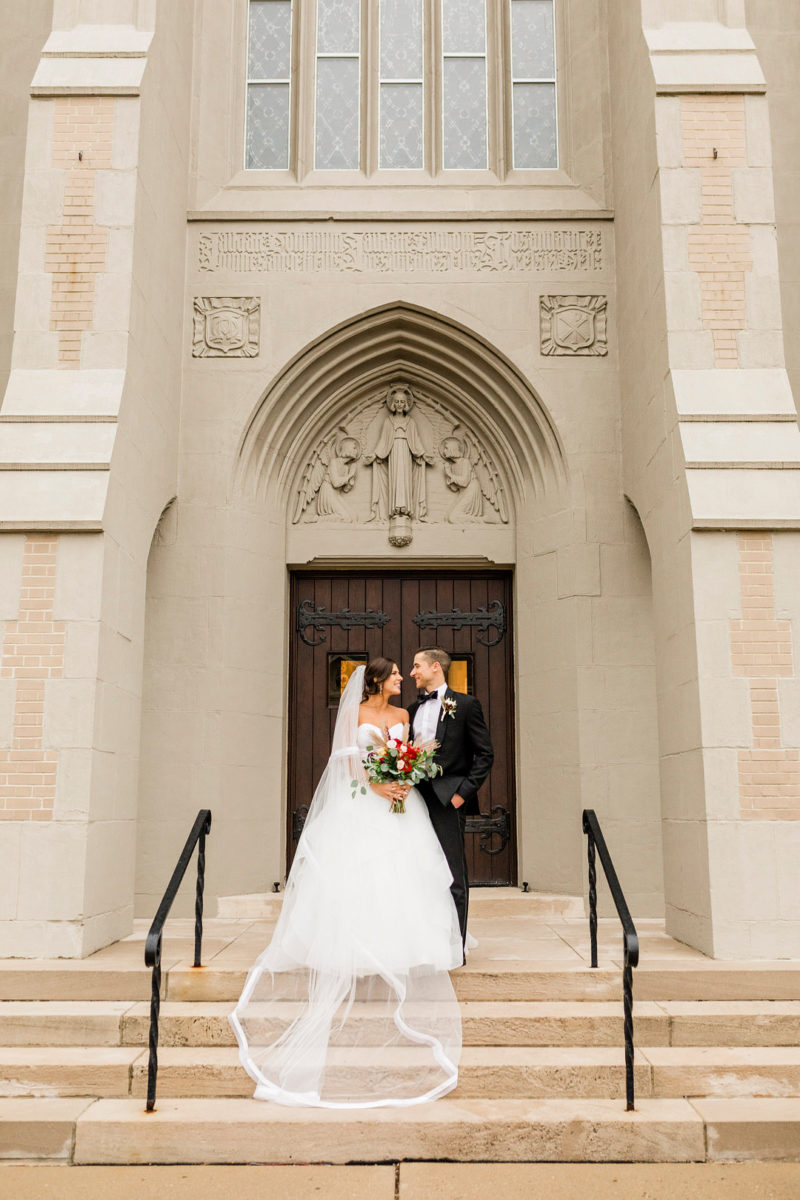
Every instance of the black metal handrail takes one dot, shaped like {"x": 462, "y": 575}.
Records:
{"x": 152, "y": 947}
{"x": 630, "y": 938}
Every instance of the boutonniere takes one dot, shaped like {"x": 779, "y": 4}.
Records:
{"x": 449, "y": 706}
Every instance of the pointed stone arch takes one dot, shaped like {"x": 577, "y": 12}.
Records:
{"x": 334, "y": 373}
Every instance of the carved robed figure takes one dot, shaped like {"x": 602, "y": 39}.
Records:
{"x": 399, "y": 447}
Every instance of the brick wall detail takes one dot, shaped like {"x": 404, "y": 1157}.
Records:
{"x": 76, "y": 249}
{"x": 761, "y": 650}
{"x": 32, "y": 653}
{"x": 719, "y": 248}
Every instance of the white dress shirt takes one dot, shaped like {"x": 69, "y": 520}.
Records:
{"x": 427, "y": 715}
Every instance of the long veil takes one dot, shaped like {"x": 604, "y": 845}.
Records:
{"x": 351, "y": 1004}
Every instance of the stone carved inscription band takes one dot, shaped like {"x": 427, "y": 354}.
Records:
{"x": 319, "y": 619}
{"x": 490, "y": 621}
{"x": 498, "y": 252}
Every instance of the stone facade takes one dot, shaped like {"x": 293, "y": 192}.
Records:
{"x": 595, "y": 360}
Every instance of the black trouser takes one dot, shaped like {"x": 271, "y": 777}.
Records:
{"x": 449, "y": 824}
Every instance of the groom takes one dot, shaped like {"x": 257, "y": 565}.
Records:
{"x": 465, "y": 755}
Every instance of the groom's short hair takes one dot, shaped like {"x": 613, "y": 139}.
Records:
{"x": 436, "y": 654}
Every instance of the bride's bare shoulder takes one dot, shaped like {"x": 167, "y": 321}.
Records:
{"x": 402, "y": 715}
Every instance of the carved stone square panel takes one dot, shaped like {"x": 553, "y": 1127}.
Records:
{"x": 226, "y": 326}
{"x": 573, "y": 325}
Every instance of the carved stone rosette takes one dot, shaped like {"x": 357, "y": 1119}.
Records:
{"x": 573, "y": 325}
{"x": 226, "y": 326}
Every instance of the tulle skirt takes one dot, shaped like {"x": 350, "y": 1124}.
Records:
{"x": 351, "y": 1004}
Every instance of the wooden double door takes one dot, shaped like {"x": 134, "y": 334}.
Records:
{"x": 341, "y": 619}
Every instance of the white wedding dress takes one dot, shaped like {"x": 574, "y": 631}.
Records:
{"x": 351, "y": 1004}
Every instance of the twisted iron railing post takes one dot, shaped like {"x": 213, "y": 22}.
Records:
{"x": 198, "y": 899}
{"x": 155, "y": 1008}
{"x": 152, "y": 948}
{"x": 597, "y": 845}
{"x": 627, "y": 1004}
{"x": 592, "y": 897}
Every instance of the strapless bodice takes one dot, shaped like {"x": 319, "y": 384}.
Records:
{"x": 366, "y": 733}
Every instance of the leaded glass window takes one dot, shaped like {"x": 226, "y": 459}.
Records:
{"x": 401, "y": 85}
{"x": 269, "y": 56}
{"x": 464, "y": 132}
{"x": 401, "y": 100}
{"x": 338, "y": 86}
{"x": 533, "y": 84}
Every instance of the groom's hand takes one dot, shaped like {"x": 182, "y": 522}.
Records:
{"x": 457, "y": 800}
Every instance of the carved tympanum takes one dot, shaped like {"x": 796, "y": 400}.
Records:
{"x": 573, "y": 325}
{"x": 424, "y": 466}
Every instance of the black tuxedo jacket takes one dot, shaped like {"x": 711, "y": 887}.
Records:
{"x": 465, "y": 752}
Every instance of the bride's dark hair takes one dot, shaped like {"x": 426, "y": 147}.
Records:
{"x": 377, "y": 672}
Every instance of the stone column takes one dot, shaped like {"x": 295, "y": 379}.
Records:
{"x": 712, "y": 455}
{"x": 88, "y": 461}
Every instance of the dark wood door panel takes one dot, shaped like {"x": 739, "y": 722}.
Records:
{"x": 337, "y": 599}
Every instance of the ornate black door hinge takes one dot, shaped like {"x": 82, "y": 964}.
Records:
{"x": 319, "y": 619}
{"x": 298, "y": 821}
{"x": 491, "y": 621}
{"x": 487, "y": 827}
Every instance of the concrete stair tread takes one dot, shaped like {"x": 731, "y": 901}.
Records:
{"x": 240, "y": 1130}
{"x": 486, "y": 1071}
{"x": 470, "y": 1130}
{"x": 67, "y": 1070}
{"x": 521, "y": 1022}
{"x": 502, "y": 901}
{"x": 62, "y": 1022}
{"x": 39, "y": 1129}
{"x": 494, "y": 972}
{"x": 766, "y": 1128}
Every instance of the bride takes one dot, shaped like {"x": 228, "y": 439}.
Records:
{"x": 351, "y": 1004}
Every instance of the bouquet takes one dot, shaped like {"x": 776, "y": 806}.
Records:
{"x": 399, "y": 758}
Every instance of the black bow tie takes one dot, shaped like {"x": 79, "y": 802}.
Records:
{"x": 428, "y": 696}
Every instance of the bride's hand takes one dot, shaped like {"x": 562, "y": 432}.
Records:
{"x": 391, "y": 790}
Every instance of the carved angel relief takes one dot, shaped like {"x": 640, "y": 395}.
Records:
{"x": 396, "y": 434}
{"x": 330, "y": 474}
{"x": 468, "y": 472}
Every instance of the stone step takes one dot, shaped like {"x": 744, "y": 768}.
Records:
{"x": 483, "y": 902}
{"x": 236, "y": 1130}
{"x": 110, "y": 1131}
{"x": 485, "y": 1023}
{"x": 62, "y": 1022}
{"x": 519, "y": 1072}
{"x": 553, "y": 981}
{"x": 68, "y": 1070}
{"x": 484, "y": 978}
{"x": 39, "y": 1129}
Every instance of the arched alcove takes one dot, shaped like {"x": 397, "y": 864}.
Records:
{"x": 336, "y": 373}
